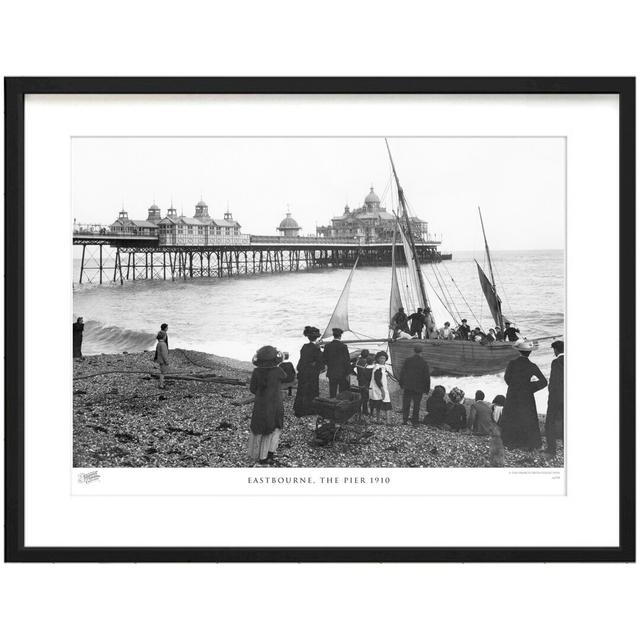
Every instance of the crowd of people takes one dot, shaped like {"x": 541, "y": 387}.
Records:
{"x": 419, "y": 325}
{"x": 510, "y": 419}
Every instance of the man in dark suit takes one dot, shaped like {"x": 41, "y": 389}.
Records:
{"x": 511, "y": 333}
{"x": 415, "y": 380}
{"x": 554, "y": 423}
{"x": 336, "y": 357}
{"x": 463, "y": 330}
{"x": 418, "y": 320}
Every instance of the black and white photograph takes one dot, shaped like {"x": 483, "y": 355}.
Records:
{"x": 331, "y": 304}
{"x": 319, "y": 302}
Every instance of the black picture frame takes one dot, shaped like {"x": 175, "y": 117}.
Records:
{"x": 15, "y": 91}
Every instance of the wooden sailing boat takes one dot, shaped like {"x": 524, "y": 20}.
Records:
{"x": 445, "y": 357}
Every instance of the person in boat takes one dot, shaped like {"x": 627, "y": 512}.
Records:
{"x": 436, "y": 407}
{"x": 491, "y": 336}
{"x": 554, "y": 422}
{"x": 456, "y": 417}
{"x": 418, "y": 321}
{"x": 364, "y": 374}
{"x": 480, "y": 417}
{"x": 288, "y": 368}
{"x": 379, "y": 396}
{"x": 162, "y": 356}
{"x": 499, "y": 334}
{"x": 338, "y": 361}
{"x": 463, "y": 330}
{"x": 415, "y": 381}
{"x": 78, "y": 329}
{"x": 267, "y": 419}
{"x": 479, "y": 336}
{"x": 400, "y": 321}
{"x": 310, "y": 366}
{"x": 511, "y": 333}
{"x": 519, "y": 420}
{"x": 446, "y": 333}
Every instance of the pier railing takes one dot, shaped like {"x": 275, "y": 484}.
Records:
{"x": 105, "y": 232}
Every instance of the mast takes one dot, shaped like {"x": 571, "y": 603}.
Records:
{"x": 412, "y": 244}
{"x": 493, "y": 280}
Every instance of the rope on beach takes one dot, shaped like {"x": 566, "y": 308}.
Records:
{"x": 193, "y": 362}
{"x": 170, "y": 376}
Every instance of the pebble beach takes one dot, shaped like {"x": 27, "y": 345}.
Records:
{"x": 202, "y": 417}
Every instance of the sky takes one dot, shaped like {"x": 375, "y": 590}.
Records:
{"x": 519, "y": 183}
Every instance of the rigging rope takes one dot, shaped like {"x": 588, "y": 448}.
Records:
{"x": 462, "y": 296}
{"x": 443, "y": 287}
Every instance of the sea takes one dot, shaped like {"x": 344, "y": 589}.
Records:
{"x": 235, "y": 316}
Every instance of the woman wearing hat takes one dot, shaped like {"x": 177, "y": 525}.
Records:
{"x": 519, "y": 419}
{"x": 380, "y": 399}
{"x": 267, "y": 419}
{"x": 456, "y": 417}
{"x": 310, "y": 366}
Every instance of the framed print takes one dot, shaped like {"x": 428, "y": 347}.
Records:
{"x": 320, "y": 319}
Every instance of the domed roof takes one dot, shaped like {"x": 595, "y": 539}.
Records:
{"x": 289, "y": 223}
{"x": 202, "y": 203}
{"x": 372, "y": 197}
{"x": 154, "y": 207}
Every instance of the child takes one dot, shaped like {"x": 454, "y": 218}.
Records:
{"x": 268, "y": 409}
{"x": 364, "y": 372}
{"x": 436, "y": 407}
{"x": 496, "y": 408}
{"x": 496, "y": 449}
{"x": 288, "y": 368}
{"x": 379, "y": 386}
{"x": 456, "y": 417}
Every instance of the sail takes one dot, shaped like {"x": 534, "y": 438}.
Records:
{"x": 413, "y": 273}
{"x": 493, "y": 300}
{"x": 340, "y": 317}
{"x": 395, "y": 301}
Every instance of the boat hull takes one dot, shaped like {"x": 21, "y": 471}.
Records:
{"x": 455, "y": 357}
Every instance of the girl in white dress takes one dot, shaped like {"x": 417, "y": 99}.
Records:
{"x": 379, "y": 387}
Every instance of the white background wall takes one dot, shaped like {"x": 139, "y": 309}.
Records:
{"x": 329, "y": 38}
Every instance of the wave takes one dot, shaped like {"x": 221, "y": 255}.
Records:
{"x": 100, "y": 338}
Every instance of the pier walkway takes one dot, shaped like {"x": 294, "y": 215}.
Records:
{"x": 109, "y": 256}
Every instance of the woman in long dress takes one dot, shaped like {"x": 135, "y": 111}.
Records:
{"x": 519, "y": 419}
{"x": 162, "y": 356}
{"x": 379, "y": 396}
{"x": 310, "y": 366}
{"x": 267, "y": 419}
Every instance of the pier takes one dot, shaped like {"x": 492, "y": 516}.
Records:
{"x": 114, "y": 256}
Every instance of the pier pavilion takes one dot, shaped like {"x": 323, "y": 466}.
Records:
{"x": 180, "y": 247}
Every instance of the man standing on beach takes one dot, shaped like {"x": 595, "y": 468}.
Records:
{"x": 338, "y": 361}
{"x": 554, "y": 423}
{"x": 415, "y": 380}
{"x": 78, "y": 328}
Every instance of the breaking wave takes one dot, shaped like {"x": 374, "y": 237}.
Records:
{"x": 100, "y": 338}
